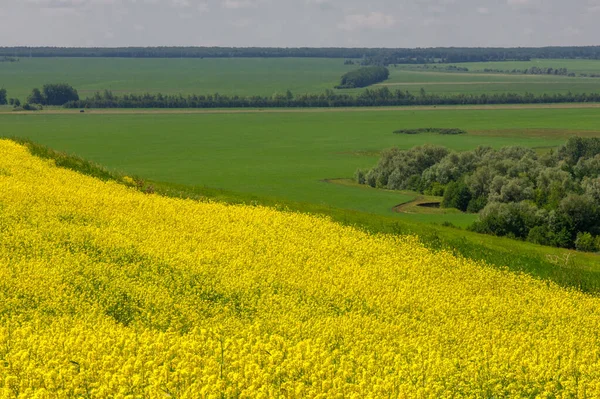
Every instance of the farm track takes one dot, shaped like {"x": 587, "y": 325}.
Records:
{"x": 460, "y": 83}
{"x": 106, "y": 111}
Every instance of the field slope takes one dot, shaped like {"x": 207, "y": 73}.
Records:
{"x": 106, "y": 291}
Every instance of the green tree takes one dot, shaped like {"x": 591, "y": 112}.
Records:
{"x": 59, "y": 94}
{"x": 585, "y": 242}
{"x": 36, "y": 97}
{"x": 456, "y": 195}
{"x": 3, "y": 100}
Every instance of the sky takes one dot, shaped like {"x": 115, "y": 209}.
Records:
{"x": 299, "y": 23}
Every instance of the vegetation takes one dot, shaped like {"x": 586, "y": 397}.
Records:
{"x": 535, "y": 71}
{"x": 53, "y": 94}
{"x": 383, "y": 56}
{"x": 3, "y": 100}
{"x": 243, "y": 301}
{"x": 552, "y": 199}
{"x": 204, "y": 152}
{"x": 431, "y": 130}
{"x": 301, "y": 148}
{"x": 266, "y": 76}
{"x": 369, "y": 98}
{"x": 363, "y": 77}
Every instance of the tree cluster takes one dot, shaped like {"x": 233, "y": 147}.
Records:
{"x": 53, "y": 94}
{"x": 534, "y": 71}
{"x": 553, "y": 199}
{"x": 363, "y": 77}
{"x": 447, "y": 68}
{"x": 3, "y": 99}
{"x": 370, "y": 97}
{"x": 9, "y": 59}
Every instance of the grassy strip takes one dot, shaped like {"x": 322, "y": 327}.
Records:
{"x": 566, "y": 268}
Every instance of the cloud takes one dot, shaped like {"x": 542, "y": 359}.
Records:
{"x": 483, "y": 10}
{"x": 235, "y": 4}
{"x": 436, "y": 8}
{"x": 181, "y": 3}
{"x": 202, "y": 8}
{"x": 524, "y": 4}
{"x": 68, "y": 3}
{"x": 373, "y": 20}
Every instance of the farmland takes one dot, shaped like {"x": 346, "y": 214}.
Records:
{"x": 231, "y": 252}
{"x": 287, "y": 155}
{"x": 257, "y": 76}
{"x": 107, "y": 291}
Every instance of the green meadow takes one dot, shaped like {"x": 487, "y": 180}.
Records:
{"x": 289, "y": 155}
{"x": 266, "y": 76}
{"x": 240, "y": 76}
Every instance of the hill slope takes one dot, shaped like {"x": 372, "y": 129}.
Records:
{"x": 108, "y": 291}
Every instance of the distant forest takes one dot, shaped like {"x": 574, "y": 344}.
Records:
{"x": 373, "y": 56}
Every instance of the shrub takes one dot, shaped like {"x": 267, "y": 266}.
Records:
{"x": 456, "y": 195}
{"x": 585, "y": 242}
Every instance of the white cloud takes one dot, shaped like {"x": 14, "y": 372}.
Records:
{"x": 202, "y": 8}
{"x": 483, "y": 10}
{"x": 235, "y": 4}
{"x": 436, "y": 8}
{"x": 181, "y": 3}
{"x": 373, "y": 20}
{"x": 523, "y": 3}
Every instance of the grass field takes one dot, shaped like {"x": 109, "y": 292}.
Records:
{"x": 256, "y": 76}
{"x": 408, "y": 77}
{"x": 241, "y": 76}
{"x": 288, "y": 155}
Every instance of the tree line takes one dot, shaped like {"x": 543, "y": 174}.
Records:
{"x": 329, "y": 99}
{"x": 379, "y": 56}
{"x": 551, "y": 199}
{"x": 533, "y": 71}
{"x": 363, "y": 77}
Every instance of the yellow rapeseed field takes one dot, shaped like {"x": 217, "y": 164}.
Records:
{"x": 109, "y": 292}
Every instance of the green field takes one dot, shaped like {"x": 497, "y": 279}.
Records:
{"x": 266, "y": 76}
{"x": 577, "y": 66}
{"x": 409, "y": 77}
{"x": 241, "y": 76}
{"x": 287, "y": 155}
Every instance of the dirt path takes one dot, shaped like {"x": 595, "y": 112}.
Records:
{"x": 458, "y": 83}
{"x": 116, "y": 111}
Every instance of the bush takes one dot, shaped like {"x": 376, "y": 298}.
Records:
{"x": 359, "y": 176}
{"x": 456, "y": 195}
{"x": 476, "y": 204}
{"x": 32, "y": 107}
{"x": 541, "y": 235}
{"x": 585, "y": 242}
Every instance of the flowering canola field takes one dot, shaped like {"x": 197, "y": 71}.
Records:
{"x": 108, "y": 292}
